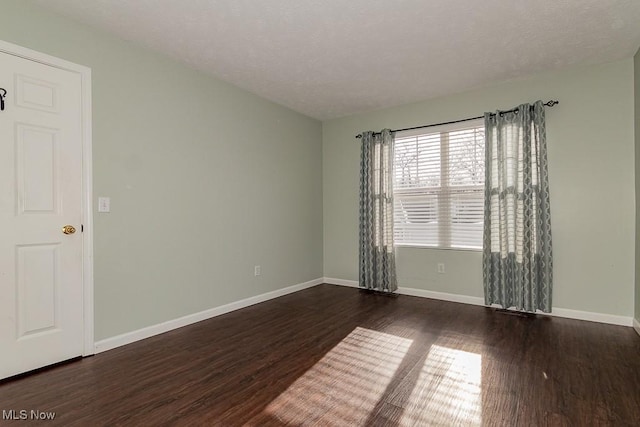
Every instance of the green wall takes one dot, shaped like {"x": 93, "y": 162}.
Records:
{"x": 208, "y": 180}
{"x": 205, "y": 179}
{"x": 637, "y": 146}
{"x": 591, "y": 168}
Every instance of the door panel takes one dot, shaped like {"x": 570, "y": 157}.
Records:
{"x": 41, "y": 301}
{"x": 37, "y": 277}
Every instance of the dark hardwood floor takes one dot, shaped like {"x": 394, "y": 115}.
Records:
{"x": 331, "y": 355}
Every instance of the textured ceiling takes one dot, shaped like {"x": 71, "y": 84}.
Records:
{"x": 331, "y": 58}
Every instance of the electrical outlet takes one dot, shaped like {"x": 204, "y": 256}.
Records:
{"x": 441, "y": 267}
{"x": 104, "y": 204}
{"x": 257, "y": 270}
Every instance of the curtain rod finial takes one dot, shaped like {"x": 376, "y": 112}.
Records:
{"x": 359, "y": 136}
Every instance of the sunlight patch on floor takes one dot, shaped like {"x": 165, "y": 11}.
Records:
{"x": 448, "y": 390}
{"x": 346, "y": 384}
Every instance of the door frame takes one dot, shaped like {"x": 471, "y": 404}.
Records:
{"x": 87, "y": 179}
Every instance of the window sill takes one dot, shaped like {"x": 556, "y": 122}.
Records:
{"x": 406, "y": 245}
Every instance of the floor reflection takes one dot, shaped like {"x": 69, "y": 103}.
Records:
{"x": 345, "y": 385}
{"x": 448, "y": 390}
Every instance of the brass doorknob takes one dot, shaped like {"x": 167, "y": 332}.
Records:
{"x": 68, "y": 229}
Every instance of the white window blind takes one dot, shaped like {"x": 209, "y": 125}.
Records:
{"x": 439, "y": 186}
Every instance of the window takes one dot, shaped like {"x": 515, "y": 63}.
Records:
{"x": 439, "y": 186}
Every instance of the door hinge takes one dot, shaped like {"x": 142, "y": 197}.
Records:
{"x": 82, "y": 228}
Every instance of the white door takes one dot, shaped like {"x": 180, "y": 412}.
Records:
{"x": 41, "y": 300}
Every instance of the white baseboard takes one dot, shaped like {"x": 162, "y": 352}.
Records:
{"x": 466, "y": 299}
{"x": 341, "y": 282}
{"x": 149, "y": 331}
{"x": 611, "y": 319}
{"x": 415, "y": 292}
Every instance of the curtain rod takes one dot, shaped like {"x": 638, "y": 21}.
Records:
{"x": 548, "y": 104}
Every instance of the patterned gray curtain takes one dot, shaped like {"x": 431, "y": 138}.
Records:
{"x": 517, "y": 261}
{"x": 377, "y": 258}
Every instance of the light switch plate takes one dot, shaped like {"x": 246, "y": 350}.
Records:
{"x": 104, "y": 204}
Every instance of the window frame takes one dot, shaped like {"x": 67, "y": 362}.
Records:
{"x": 443, "y": 209}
